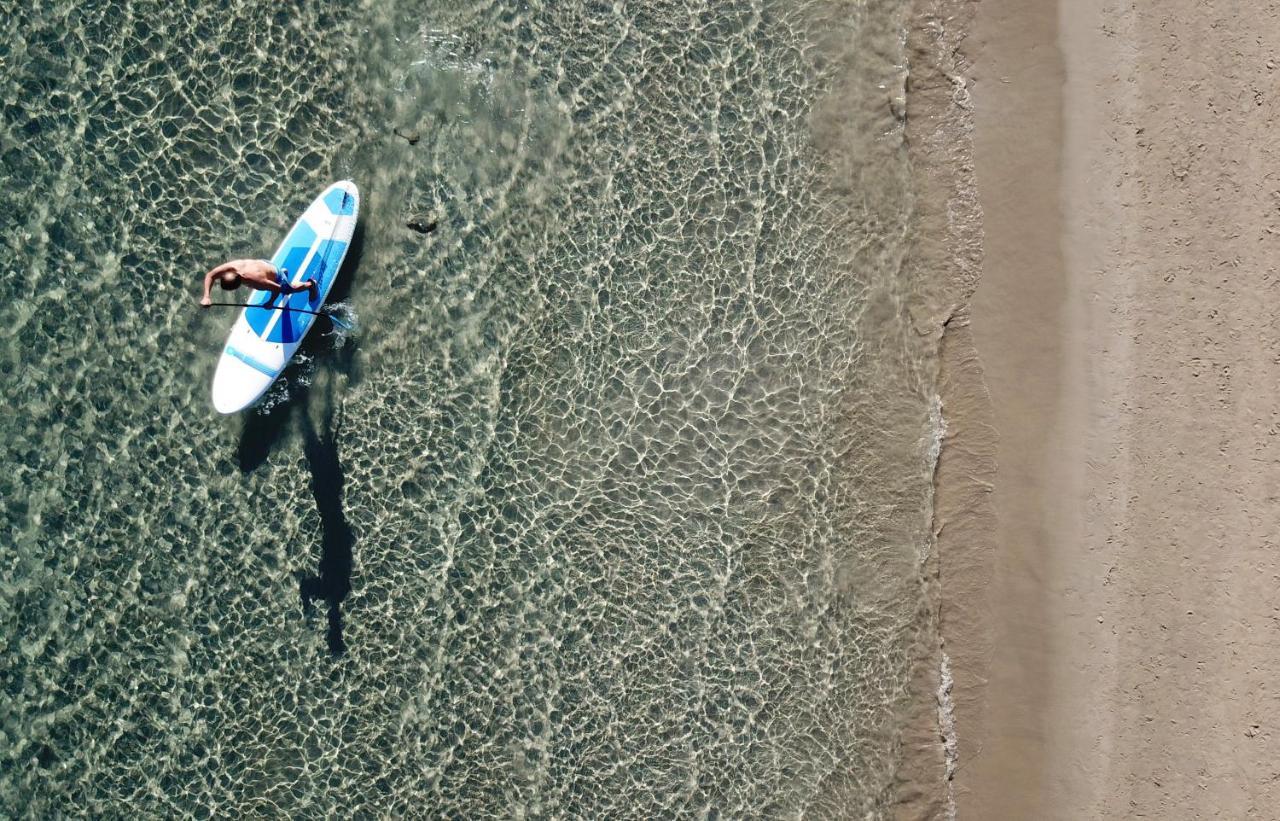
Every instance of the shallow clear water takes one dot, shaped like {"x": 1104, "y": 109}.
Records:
{"x": 612, "y": 505}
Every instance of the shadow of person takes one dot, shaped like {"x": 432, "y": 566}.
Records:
{"x": 263, "y": 431}
{"x": 332, "y": 583}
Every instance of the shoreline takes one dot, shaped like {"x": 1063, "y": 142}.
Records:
{"x": 947, "y": 250}
{"x": 1007, "y": 730}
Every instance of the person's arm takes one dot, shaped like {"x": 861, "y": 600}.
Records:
{"x": 205, "y": 301}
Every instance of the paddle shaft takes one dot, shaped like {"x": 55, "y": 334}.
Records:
{"x": 329, "y": 317}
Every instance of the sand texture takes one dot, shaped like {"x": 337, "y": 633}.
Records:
{"x": 1125, "y": 157}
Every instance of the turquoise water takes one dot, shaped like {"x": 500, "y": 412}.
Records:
{"x": 612, "y": 505}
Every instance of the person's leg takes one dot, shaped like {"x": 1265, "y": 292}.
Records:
{"x": 280, "y": 294}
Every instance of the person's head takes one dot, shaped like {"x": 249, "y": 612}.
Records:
{"x": 229, "y": 281}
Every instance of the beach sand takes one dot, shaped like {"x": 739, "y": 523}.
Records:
{"x": 1109, "y": 592}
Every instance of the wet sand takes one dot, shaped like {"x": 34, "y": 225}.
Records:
{"x": 1123, "y": 658}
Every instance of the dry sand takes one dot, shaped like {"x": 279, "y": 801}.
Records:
{"x": 1110, "y": 594}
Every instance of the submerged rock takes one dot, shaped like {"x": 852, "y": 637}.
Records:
{"x": 423, "y": 223}
{"x": 411, "y": 137}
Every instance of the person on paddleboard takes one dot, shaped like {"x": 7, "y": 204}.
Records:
{"x": 256, "y": 273}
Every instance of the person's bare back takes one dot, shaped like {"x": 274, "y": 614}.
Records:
{"x": 258, "y": 274}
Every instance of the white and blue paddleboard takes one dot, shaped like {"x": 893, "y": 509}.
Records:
{"x": 263, "y": 340}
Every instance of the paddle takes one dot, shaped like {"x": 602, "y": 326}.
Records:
{"x": 329, "y": 317}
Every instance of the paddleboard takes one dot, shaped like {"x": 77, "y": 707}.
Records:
{"x": 263, "y": 340}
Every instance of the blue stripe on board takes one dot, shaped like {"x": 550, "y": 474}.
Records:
{"x": 319, "y": 269}
{"x": 340, "y": 202}
{"x": 251, "y": 362}
{"x": 322, "y": 268}
{"x": 290, "y": 256}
